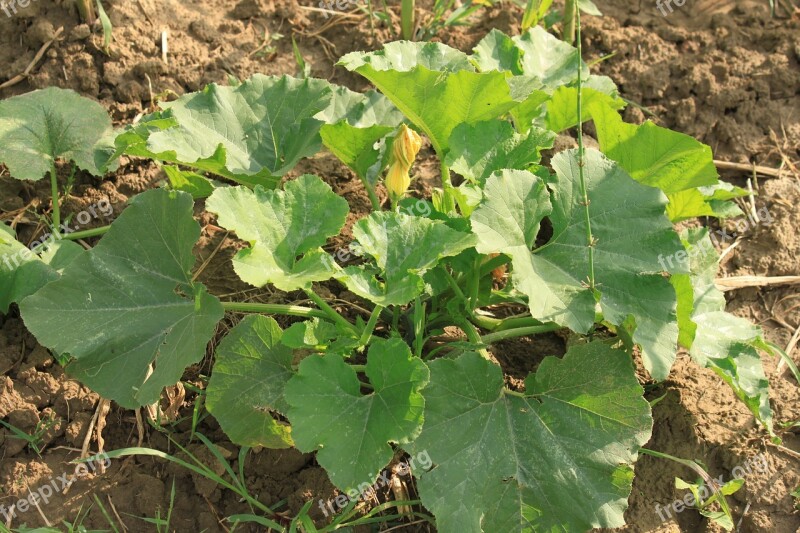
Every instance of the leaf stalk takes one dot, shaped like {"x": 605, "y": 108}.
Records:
{"x": 273, "y": 309}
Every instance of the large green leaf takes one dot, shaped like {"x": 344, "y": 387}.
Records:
{"x": 49, "y": 124}
{"x": 478, "y": 150}
{"x": 350, "y": 431}
{"x": 562, "y": 108}
{"x": 360, "y": 110}
{"x": 548, "y": 58}
{"x": 711, "y": 201}
{"x": 253, "y": 133}
{"x": 653, "y": 155}
{"x": 534, "y": 54}
{"x": 498, "y": 51}
{"x": 251, "y": 370}
{"x": 127, "y": 311}
{"x": 435, "y": 86}
{"x": 285, "y": 229}
{"x": 558, "y": 458}
{"x": 631, "y": 234}
{"x": 404, "y": 248}
{"x": 726, "y": 343}
{"x": 355, "y": 125}
{"x": 22, "y": 272}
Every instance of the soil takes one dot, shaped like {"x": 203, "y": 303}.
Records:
{"x": 725, "y": 72}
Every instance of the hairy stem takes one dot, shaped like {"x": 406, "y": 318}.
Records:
{"x": 582, "y": 156}
{"x": 370, "y": 327}
{"x": 570, "y": 9}
{"x": 497, "y": 324}
{"x": 54, "y": 194}
{"x": 373, "y": 198}
{"x": 518, "y": 332}
{"x": 407, "y": 19}
{"x": 273, "y": 309}
{"x": 474, "y": 336}
{"x": 331, "y": 312}
{"x": 85, "y": 234}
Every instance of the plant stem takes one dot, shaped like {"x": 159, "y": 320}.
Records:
{"x": 570, "y": 9}
{"x": 85, "y": 234}
{"x": 407, "y": 19}
{"x": 448, "y": 199}
{"x": 273, "y": 309}
{"x": 456, "y": 289}
{"x": 709, "y": 481}
{"x": 419, "y": 326}
{"x": 474, "y": 336}
{"x": 370, "y": 327}
{"x": 54, "y": 194}
{"x": 373, "y": 198}
{"x": 582, "y": 155}
{"x": 446, "y": 182}
{"x": 495, "y": 325}
{"x": 86, "y": 11}
{"x": 518, "y": 332}
{"x": 359, "y": 368}
{"x": 475, "y": 283}
{"x": 371, "y": 20}
{"x": 331, "y": 312}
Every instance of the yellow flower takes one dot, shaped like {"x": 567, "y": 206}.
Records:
{"x": 404, "y": 152}
{"x": 406, "y": 146}
{"x": 397, "y": 181}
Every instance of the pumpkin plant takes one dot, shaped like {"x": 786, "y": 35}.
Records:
{"x": 575, "y": 245}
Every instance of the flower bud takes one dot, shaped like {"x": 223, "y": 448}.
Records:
{"x": 406, "y": 146}
{"x": 397, "y": 181}
{"x": 404, "y": 151}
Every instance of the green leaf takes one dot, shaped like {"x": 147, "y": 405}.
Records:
{"x": 187, "y": 181}
{"x": 405, "y": 55}
{"x": 250, "y": 373}
{"x": 727, "y": 344}
{"x": 285, "y": 229}
{"x": 355, "y": 125}
{"x": 588, "y": 7}
{"x": 253, "y": 133}
{"x": 562, "y": 109}
{"x": 534, "y": 12}
{"x": 22, "y": 272}
{"x": 498, "y": 51}
{"x": 558, "y": 458}
{"x": 350, "y": 431}
{"x": 515, "y": 202}
{"x": 309, "y": 333}
{"x": 360, "y": 110}
{"x": 434, "y": 85}
{"x": 478, "y": 150}
{"x": 632, "y": 235}
{"x": 653, "y": 155}
{"x": 42, "y": 126}
{"x": 404, "y": 248}
{"x": 358, "y": 148}
{"x": 548, "y": 58}
{"x": 127, "y": 311}
{"x": 713, "y": 201}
